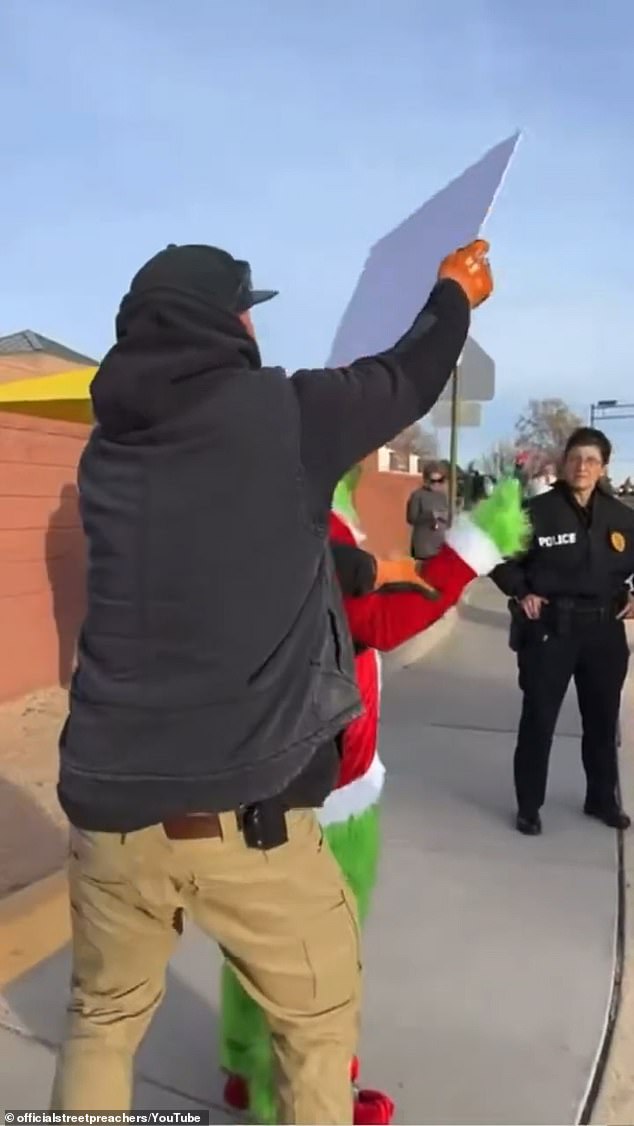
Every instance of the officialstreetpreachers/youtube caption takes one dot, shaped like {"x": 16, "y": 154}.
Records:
{"x": 116, "y": 1118}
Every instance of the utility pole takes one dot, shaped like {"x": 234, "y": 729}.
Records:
{"x": 610, "y": 410}
{"x": 453, "y": 444}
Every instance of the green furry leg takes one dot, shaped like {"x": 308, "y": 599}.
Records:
{"x": 355, "y": 845}
{"x": 245, "y": 1046}
{"x": 245, "y": 1042}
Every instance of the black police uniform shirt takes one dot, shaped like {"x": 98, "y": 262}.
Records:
{"x": 579, "y": 553}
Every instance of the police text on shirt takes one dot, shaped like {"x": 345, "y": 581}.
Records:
{"x": 561, "y": 540}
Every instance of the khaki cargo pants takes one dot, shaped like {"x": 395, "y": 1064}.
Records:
{"x": 284, "y": 919}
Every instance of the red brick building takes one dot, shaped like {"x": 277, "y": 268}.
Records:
{"x": 42, "y": 557}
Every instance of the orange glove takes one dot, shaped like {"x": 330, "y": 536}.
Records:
{"x": 470, "y": 267}
{"x": 400, "y": 572}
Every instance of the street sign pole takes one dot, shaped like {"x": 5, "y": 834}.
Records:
{"x": 453, "y": 443}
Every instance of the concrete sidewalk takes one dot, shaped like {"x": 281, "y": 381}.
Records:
{"x": 489, "y": 956}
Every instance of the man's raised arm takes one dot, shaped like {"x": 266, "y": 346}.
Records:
{"x": 347, "y": 413}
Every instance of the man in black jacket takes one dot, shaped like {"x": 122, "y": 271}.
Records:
{"x": 569, "y": 600}
{"x": 214, "y": 672}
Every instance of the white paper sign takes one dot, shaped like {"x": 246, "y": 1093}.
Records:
{"x": 401, "y": 268}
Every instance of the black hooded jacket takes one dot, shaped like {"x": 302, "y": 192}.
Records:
{"x": 213, "y": 661}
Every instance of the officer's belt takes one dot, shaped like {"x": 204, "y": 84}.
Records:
{"x": 581, "y": 611}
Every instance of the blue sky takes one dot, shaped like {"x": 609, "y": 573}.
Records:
{"x": 295, "y": 133}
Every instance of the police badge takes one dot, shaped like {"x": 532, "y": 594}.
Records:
{"x": 617, "y": 541}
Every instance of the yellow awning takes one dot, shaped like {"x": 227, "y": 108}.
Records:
{"x": 64, "y": 396}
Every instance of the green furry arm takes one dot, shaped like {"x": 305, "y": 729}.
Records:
{"x": 503, "y": 519}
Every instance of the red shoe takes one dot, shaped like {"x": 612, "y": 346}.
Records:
{"x": 236, "y": 1092}
{"x": 373, "y": 1108}
{"x": 354, "y": 1070}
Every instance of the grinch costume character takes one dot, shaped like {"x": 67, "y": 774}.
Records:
{"x": 386, "y": 604}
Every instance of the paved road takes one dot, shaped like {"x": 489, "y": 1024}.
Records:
{"x": 489, "y": 955}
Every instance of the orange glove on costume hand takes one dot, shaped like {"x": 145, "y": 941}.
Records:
{"x": 401, "y": 572}
{"x": 470, "y": 268}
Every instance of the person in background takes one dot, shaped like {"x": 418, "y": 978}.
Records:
{"x": 477, "y": 486}
{"x": 569, "y": 598}
{"x": 520, "y": 472}
{"x": 428, "y": 512}
{"x": 542, "y": 482}
{"x": 215, "y": 671}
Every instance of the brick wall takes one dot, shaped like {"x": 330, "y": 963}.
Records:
{"x": 41, "y": 552}
{"x": 42, "y": 555}
{"x": 381, "y": 503}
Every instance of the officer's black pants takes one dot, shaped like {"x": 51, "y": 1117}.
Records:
{"x": 596, "y": 657}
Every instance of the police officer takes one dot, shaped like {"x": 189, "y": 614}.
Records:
{"x": 569, "y": 598}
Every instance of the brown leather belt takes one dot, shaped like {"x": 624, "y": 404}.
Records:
{"x": 192, "y": 826}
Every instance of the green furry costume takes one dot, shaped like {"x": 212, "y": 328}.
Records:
{"x": 495, "y": 529}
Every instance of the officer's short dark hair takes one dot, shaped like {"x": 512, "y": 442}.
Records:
{"x": 588, "y": 436}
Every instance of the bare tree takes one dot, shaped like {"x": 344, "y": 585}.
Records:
{"x": 413, "y": 440}
{"x": 542, "y": 430}
{"x": 500, "y": 458}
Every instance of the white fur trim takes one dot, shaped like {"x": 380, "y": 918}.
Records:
{"x": 473, "y": 546}
{"x": 356, "y": 797}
